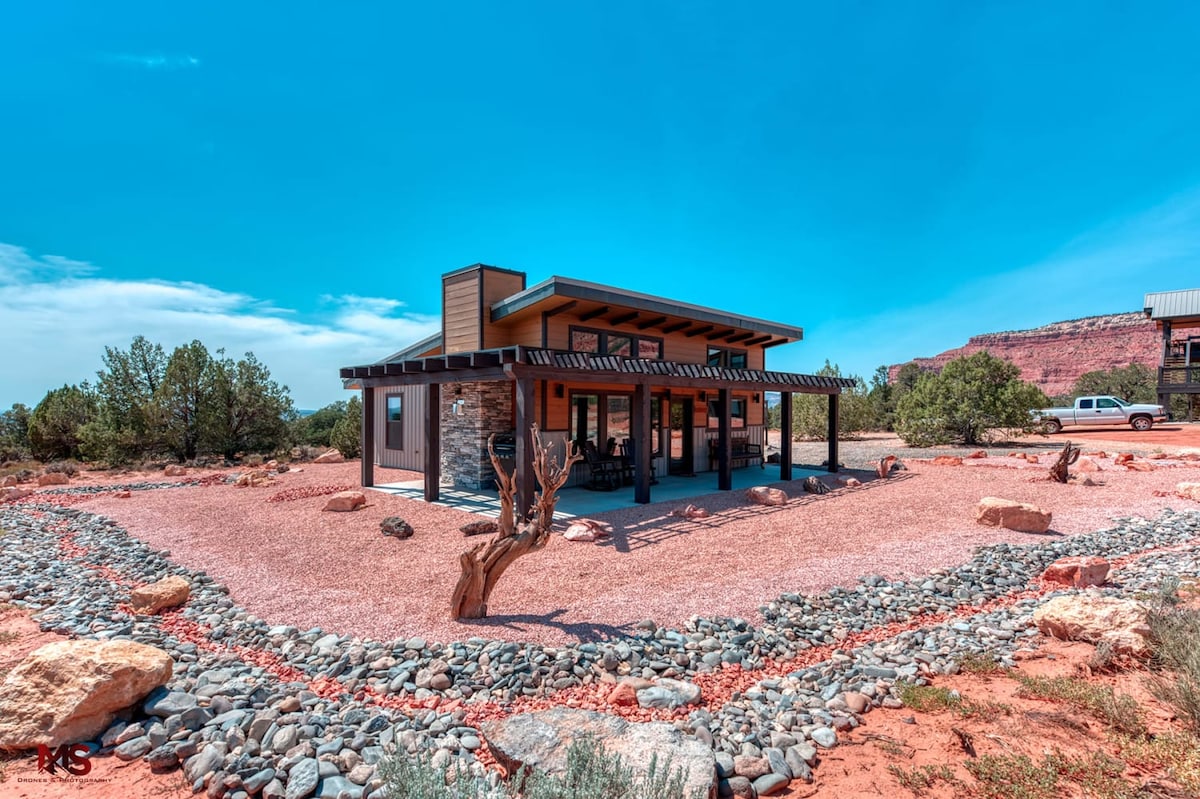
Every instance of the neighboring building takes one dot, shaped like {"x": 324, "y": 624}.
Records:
{"x": 682, "y": 384}
{"x": 1177, "y": 316}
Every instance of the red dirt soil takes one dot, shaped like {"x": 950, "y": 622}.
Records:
{"x": 291, "y": 563}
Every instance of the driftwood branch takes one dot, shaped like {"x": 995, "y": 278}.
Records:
{"x": 485, "y": 563}
{"x": 1068, "y": 456}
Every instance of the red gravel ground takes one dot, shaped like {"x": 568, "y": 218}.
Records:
{"x": 290, "y": 563}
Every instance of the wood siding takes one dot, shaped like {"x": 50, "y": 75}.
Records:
{"x": 461, "y": 312}
{"x": 496, "y": 286}
{"x": 411, "y": 457}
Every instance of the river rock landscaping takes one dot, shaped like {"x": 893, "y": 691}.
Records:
{"x": 265, "y": 709}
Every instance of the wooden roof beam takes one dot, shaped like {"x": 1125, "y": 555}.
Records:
{"x": 676, "y": 326}
{"x": 621, "y": 319}
{"x": 722, "y": 334}
{"x": 649, "y": 323}
{"x": 481, "y": 359}
{"x": 458, "y": 361}
{"x": 738, "y": 337}
{"x": 587, "y": 316}
{"x": 700, "y": 331}
{"x": 757, "y": 340}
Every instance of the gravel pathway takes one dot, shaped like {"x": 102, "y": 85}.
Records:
{"x": 256, "y": 708}
{"x": 314, "y": 569}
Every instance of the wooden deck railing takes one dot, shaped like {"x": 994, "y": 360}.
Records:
{"x": 1179, "y": 378}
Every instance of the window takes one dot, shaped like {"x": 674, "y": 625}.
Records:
{"x": 599, "y": 417}
{"x": 728, "y": 359}
{"x": 1105, "y": 402}
{"x": 1085, "y": 404}
{"x": 737, "y": 413}
{"x": 625, "y": 345}
{"x": 394, "y": 422}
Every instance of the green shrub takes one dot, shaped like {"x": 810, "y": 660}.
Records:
{"x": 346, "y": 435}
{"x": 974, "y": 399}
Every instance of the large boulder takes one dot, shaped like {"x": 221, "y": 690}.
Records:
{"x": 166, "y": 593}
{"x": 14, "y": 492}
{"x": 346, "y": 501}
{"x": 1080, "y": 571}
{"x": 1121, "y": 623}
{"x": 53, "y": 479}
{"x": 253, "y": 479}
{"x": 174, "y": 470}
{"x": 766, "y": 495}
{"x": 69, "y": 691}
{"x": 332, "y": 456}
{"x": 541, "y": 740}
{"x": 1012, "y": 515}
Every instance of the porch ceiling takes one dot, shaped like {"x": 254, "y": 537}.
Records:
{"x": 546, "y": 364}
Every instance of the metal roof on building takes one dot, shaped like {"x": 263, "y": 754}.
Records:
{"x": 1172, "y": 304}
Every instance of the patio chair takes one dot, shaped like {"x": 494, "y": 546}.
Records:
{"x": 605, "y": 473}
{"x": 629, "y": 451}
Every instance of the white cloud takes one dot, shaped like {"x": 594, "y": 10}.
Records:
{"x": 57, "y": 321}
{"x": 152, "y": 60}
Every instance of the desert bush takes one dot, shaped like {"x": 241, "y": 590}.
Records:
{"x": 315, "y": 429}
{"x": 1118, "y": 711}
{"x": 810, "y": 412}
{"x": 1176, "y": 752}
{"x": 69, "y": 468}
{"x": 934, "y": 698}
{"x": 1175, "y": 657}
{"x": 14, "y": 433}
{"x": 920, "y": 779}
{"x": 974, "y": 399}
{"x": 346, "y": 435}
{"x": 55, "y": 423}
{"x": 591, "y": 773}
{"x": 1019, "y": 777}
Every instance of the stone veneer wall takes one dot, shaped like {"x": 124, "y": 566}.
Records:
{"x": 485, "y": 408}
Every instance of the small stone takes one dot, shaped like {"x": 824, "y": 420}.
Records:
{"x": 769, "y": 784}
{"x": 824, "y": 737}
{"x": 396, "y": 527}
{"x": 302, "y": 779}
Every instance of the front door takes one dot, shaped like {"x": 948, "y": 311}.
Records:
{"x": 1108, "y": 412}
{"x": 681, "y": 457}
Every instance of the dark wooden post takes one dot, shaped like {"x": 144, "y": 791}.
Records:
{"x": 725, "y": 440}
{"x": 367, "y": 445}
{"x": 785, "y": 436}
{"x": 832, "y": 432}
{"x": 433, "y": 442}
{"x": 526, "y": 482}
{"x": 640, "y": 428}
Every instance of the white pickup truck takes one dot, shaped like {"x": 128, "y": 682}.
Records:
{"x": 1101, "y": 411}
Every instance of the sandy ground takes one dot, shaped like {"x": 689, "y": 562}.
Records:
{"x": 109, "y": 778}
{"x": 289, "y": 562}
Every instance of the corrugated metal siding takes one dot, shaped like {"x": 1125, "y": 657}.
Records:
{"x": 756, "y": 433}
{"x": 1170, "y": 304}
{"x": 412, "y": 456}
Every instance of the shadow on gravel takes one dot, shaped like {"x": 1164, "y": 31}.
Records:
{"x": 649, "y": 532}
{"x": 524, "y": 622}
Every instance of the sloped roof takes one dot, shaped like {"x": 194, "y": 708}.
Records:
{"x": 1172, "y": 304}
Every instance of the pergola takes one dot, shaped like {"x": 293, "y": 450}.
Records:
{"x": 527, "y": 365}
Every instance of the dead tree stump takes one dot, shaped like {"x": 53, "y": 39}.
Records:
{"x": 483, "y": 564}
{"x": 1068, "y": 456}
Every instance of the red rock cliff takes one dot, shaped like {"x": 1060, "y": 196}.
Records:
{"x": 1055, "y": 355}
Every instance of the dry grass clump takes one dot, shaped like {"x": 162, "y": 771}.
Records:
{"x": 1019, "y": 777}
{"x": 1118, "y": 711}
{"x": 69, "y": 468}
{"x": 932, "y": 698}
{"x": 980, "y": 663}
{"x": 591, "y": 773}
{"x": 919, "y": 779}
{"x": 1174, "y": 633}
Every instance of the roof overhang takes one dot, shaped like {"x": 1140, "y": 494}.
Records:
{"x": 1176, "y": 306}
{"x": 561, "y": 366}
{"x": 550, "y": 292}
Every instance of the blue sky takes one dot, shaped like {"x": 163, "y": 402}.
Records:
{"x": 293, "y": 178}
